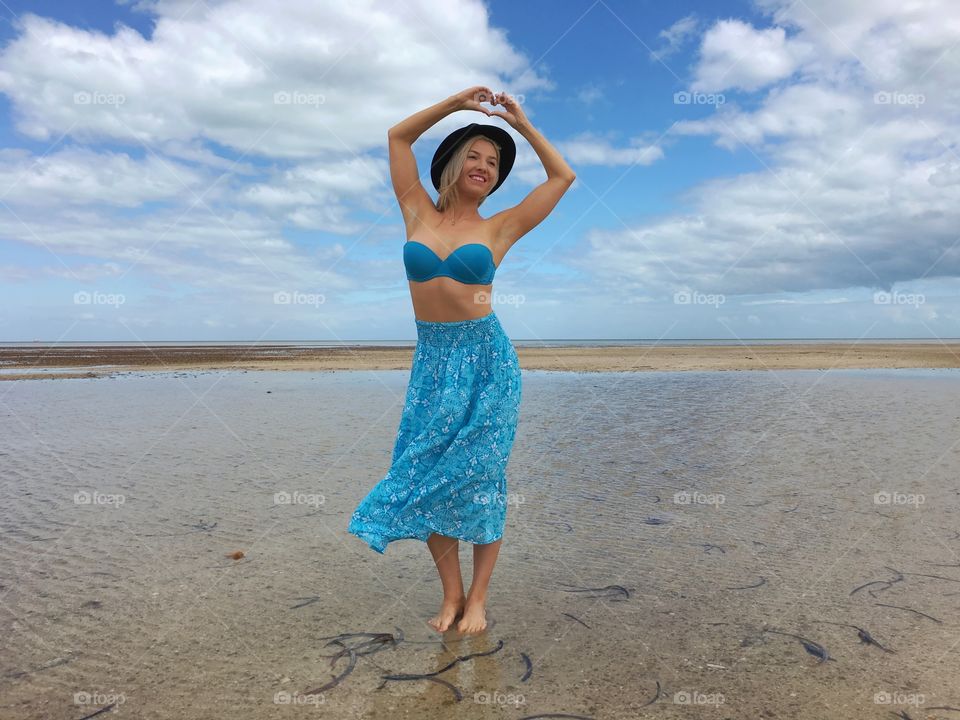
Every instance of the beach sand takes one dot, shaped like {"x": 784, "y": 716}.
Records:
{"x": 717, "y": 509}
{"x": 93, "y": 361}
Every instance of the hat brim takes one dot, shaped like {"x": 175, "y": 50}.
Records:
{"x": 508, "y": 151}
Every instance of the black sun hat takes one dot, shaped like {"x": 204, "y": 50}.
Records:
{"x": 508, "y": 151}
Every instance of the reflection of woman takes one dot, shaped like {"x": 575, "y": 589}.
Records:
{"x": 447, "y": 478}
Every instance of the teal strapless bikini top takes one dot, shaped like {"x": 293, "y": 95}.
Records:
{"x": 471, "y": 264}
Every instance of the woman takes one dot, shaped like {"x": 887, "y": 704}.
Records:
{"x": 447, "y": 478}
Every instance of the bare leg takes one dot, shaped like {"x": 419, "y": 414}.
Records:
{"x": 474, "y": 611}
{"x": 446, "y": 554}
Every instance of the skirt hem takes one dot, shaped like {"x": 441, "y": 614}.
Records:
{"x": 379, "y": 541}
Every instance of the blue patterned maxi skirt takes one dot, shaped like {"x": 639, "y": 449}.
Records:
{"x": 459, "y": 419}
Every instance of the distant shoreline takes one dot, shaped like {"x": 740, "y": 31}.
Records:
{"x": 95, "y": 361}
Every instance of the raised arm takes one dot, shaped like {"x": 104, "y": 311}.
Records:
{"x": 411, "y": 195}
{"x": 513, "y": 223}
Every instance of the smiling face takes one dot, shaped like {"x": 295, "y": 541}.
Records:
{"x": 480, "y": 167}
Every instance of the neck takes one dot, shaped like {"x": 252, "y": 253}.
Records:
{"x": 463, "y": 213}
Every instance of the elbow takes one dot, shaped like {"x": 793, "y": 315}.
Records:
{"x": 395, "y": 135}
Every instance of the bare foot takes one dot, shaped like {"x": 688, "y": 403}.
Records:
{"x": 474, "y": 616}
{"x": 450, "y": 610}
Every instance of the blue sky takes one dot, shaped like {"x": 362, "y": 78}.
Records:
{"x": 744, "y": 169}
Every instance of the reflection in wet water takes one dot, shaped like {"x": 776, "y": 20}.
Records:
{"x": 767, "y": 544}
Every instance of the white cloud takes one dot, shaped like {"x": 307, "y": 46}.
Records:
{"x": 589, "y": 150}
{"x": 675, "y": 36}
{"x": 733, "y": 54}
{"x": 215, "y": 73}
{"x": 851, "y": 191}
{"x": 82, "y": 176}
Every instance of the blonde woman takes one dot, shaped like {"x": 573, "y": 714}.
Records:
{"x": 447, "y": 479}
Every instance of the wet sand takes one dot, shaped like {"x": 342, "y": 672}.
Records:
{"x": 93, "y": 361}
{"x": 711, "y": 512}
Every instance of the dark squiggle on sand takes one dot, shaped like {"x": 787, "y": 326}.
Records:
{"x": 17, "y": 674}
{"x": 900, "y": 607}
{"x": 814, "y": 648}
{"x": 656, "y": 696}
{"x": 574, "y": 617}
{"x": 529, "y": 664}
{"x": 458, "y": 659}
{"x": 888, "y": 583}
{"x": 306, "y": 601}
{"x": 336, "y": 681}
{"x": 864, "y": 635}
{"x": 98, "y": 712}
{"x": 763, "y": 581}
{"x": 556, "y": 715}
{"x": 614, "y": 592}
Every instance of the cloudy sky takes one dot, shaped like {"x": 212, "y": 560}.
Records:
{"x": 775, "y": 168}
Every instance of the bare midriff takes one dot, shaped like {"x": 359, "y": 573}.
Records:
{"x": 443, "y": 299}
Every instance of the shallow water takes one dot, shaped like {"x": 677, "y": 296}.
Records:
{"x": 123, "y": 592}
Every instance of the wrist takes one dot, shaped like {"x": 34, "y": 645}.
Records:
{"x": 451, "y": 104}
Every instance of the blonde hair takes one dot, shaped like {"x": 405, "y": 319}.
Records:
{"x": 451, "y": 173}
